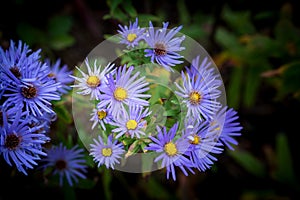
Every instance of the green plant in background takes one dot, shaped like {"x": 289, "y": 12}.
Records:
{"x": 54, "y": 36}
{"x": 257, "y": 57}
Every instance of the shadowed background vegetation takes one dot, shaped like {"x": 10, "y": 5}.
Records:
{"x": 256, "y": 46}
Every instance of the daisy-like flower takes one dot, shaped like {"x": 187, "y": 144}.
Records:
{"x": 203, "y": 144}
{"x": 172, "y": 152}
{"x": 125, "y": 89}
{"x": 101, "y": 116}
{"x": 69, "y": 164}
{"x": 199, "y": 95}
{"x": 131, "y": 35}
{"x": 164, "y": 46}
{"x": 20, "y": 144}
{"x": 60, "y": 74}
{"x": 34, "y": 91}
{"x": 108, "y": 153}
{"x": 131, "y": 123}
{"x": 231, "y": 126}
{"x": 94, "y": 81}
{"x": 15, "y": 60}
{"x": 204, "y": 70}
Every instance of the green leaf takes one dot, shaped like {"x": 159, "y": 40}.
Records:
{"x": 253, "y": 81}
{"x": 30, "y": 34}
{"x": 114, "y": 4}
{"x": 239, "y": 21}
{"x": 228, "y": 40}
{"x": 234, "y": 87}
{"x": 129, "y": 8}
{"x": 285, "y": 171}
{"x": 290, "y": 79}
{"x": 155, "y": 190}
{"x": 61, "y": 41}
{"x": 63, "y": 114}
{"x": 250, "y": 163}
{"x": 184, "y": 14}
{"x": 107, "y": 179}
{"x": 59, "y": 25}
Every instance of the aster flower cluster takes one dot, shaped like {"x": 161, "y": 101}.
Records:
{"x": 29, "y": 85}
{"x": 123, "y": 111}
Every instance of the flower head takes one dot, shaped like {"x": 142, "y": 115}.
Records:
{"x": 131, "y": 35}
{"x": 125, "y": 89}
{"x": 101, "y": 116}
{"x": 69, "y": 164}
{"x": 21, "y": 144}
{"x": 131, "y": 123}
{"x": 164, "y": 46}
{"x": 199, "y": 95}
{"x": 172, "y": 152}
{"x": 204, "y": 70}
{"x": 94, "y": 81}
{"x": 60, "y": 74}
{"x": 34, "y": 91}
{"x": 203, "y": 144}
{"x": 226, "y": 122}
{"x": 108, "y": 153}
{"x": 15, "y": 60}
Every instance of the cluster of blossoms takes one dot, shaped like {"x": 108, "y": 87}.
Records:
{"x": 28, "y": 88}
{"x": 123, "y": 111}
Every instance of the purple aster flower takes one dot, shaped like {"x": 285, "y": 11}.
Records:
{"x": 231, "y": 127}
{"x": 60, "y": 74}
{"x": 15, "y": 60}
{"x": 164, "y": 46}
{"x": 131, "y": 35}
{"x": 35, "y": 90}
{"x": 203, "y": 144}
{"x": 108, "y": 153}
{"x": 94, "y": 81}
{"x": 101, "y": 116}
{"x": 199, "y": 95}
{"x": 172, "y": 152}
{"x": 69, "y": 164}
{"x": 21, "y": 144}
{"x": 125, "y": 89}
{"x": 204, "y": 70}
{"x": 131, "y": 123}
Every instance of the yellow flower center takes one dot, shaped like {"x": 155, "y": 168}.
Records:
{"x": 196, "y": 140}
{"x": 195, "y": 98}
{"x": 131, "y": 124}
{"x": 93, "y": 81}
{"x": 101, "y": 114}
{"x": 120, "y": 94}
{"x": 170, "y": 149}
{"x": 131, "y": 37}
{"x": 106, "y": 152}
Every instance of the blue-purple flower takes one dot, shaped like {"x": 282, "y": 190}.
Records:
{"x": 94, "y": 81}
{"x": 60, "y": 74}
{"x": 226, "y": 121}
{"x": 69, "y": 164}
{"x": 203, "y": 144}
{"x": 21, "y": 145}
{"x": 131, "y": 35}
{"x": 204, "y": 70}
{"x": 125, "y": 89}
{"x": 199, "y": 95}
{"x": 101, "y": 116}
{"x": 108, "y": 153}
{"x": 164, "y": 46}
{"x": 15, "y": 60}
{"x": 131, "y": 122}
{"x": 34, "y": 91}
{"x": 172, "y": 151}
